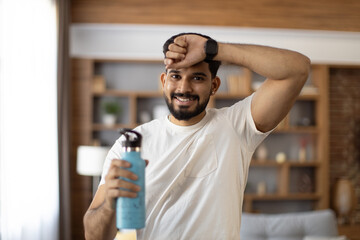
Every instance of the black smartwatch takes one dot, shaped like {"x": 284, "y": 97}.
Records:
{"x": 211, "y": 49}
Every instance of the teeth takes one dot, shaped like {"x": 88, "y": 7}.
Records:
{"x": 183, "y": 99}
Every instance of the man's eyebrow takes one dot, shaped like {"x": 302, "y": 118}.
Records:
{"x": 174, "y": 71}
{"x": 194, "y": 74}
{"x": 200, "y": 73}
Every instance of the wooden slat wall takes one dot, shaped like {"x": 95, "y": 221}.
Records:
{"x": 344, "y": 142}
{"x": 81, "y": 115}
{"x": 342, "y": 15}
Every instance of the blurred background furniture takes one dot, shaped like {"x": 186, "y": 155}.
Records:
{"x": 90, "y": 160}
{"x": 290, "y": 226}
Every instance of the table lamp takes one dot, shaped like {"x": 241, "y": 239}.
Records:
{"x": 90, "y": 160}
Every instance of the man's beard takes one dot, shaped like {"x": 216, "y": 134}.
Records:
{"x": 183, "y": 113}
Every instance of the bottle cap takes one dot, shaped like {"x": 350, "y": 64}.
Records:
{"x": 132, "y": 138}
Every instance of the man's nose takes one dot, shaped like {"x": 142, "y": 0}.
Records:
{"x": 184, "y": 86}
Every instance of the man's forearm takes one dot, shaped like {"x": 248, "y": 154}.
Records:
{"x": 273, "y": 63}
{"x": 100, "y": 224}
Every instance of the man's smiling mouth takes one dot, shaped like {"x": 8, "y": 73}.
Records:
{"x": 184, "y": 97}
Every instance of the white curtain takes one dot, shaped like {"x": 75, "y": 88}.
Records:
{"x": 29, "y": 188}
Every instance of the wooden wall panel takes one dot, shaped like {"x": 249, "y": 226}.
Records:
{"x": 81, "y": 115}
{"x": 343, "y": 15}
{"x": 344, "y": 93}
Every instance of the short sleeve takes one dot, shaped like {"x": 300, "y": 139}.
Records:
{"x": 114, "y": 153}
{"x": 241, "y": 119}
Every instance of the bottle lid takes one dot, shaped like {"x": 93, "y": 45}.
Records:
{"x": 132, "y": 138}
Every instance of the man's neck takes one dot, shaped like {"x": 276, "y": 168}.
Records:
{"x": 191, "y": 121}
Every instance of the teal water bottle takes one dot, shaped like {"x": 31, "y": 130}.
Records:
{"x": 130, "y": 212}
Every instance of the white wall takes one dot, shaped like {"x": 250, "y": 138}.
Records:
{"x": 124, "y": 41}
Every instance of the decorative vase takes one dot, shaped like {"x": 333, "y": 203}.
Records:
{"x": 261, "y": 188}
{"x": 344, "y": 200}
{"x": 261, "y": 153}
{"x": 109, "y": 119}
{"x": 280, "y": 157}
{"x": 302, "y": 151}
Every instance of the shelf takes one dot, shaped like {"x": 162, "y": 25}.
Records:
{"x": 281, "y": 197}
{"x": 114, "y": 93}
{"x": 308, "y": 97}
{"x": 227, "y": 95}
{"x": 297, "y": 129}
{"x": 105, "y": 60}
{"x": 288, "y": 163}
{"x": 102, "y": 127}
{"x": 122, "y": 93}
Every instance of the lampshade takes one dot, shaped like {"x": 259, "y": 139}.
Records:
{"x": 90, "y": 160}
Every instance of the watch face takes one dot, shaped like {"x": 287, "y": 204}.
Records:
{"x": 211, "y": 49}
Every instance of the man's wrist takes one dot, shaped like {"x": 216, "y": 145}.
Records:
{"x": 109, "y": 206}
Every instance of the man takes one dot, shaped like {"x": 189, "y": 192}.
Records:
{"x": 199, "y": 158}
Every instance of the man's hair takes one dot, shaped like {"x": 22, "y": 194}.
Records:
{"x": 213, "y": 65}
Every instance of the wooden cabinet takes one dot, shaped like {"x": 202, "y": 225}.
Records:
{"x": 295, "y": 184}
{"x": 352, "y": 232}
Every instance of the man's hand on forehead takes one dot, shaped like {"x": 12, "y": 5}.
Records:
{"x": 186, "y": 51}
{"x": 176, "y": 52}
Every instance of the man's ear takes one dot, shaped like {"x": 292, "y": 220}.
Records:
{"x": 163, "y": 79}
{"x": 215, "y": 84}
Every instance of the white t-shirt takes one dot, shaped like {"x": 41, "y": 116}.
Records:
{"x": 196, "y": 176}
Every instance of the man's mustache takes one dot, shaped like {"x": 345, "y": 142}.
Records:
{"x": 185, "y": 95}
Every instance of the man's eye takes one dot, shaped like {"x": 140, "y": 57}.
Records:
{"x": 175, "y": 76}
{"x": 198, "y": 78}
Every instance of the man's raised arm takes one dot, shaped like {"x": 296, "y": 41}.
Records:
{"x": 286, "y": 72}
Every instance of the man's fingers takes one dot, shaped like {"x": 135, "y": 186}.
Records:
{"x": 177, "y": 48}
{"x": 116, "y": 183}
{"x": 168, "y": 61}
{"x": 120, "y": 183}
{"x": 175, "y": 55}
{"x": 115, "y": 193}
{"x": 117, "y": 170}
{"x": 181, "y": 41}
{"x": 120, "y": 163}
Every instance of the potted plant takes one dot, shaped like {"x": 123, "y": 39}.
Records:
{"x": 111, "y": 109}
